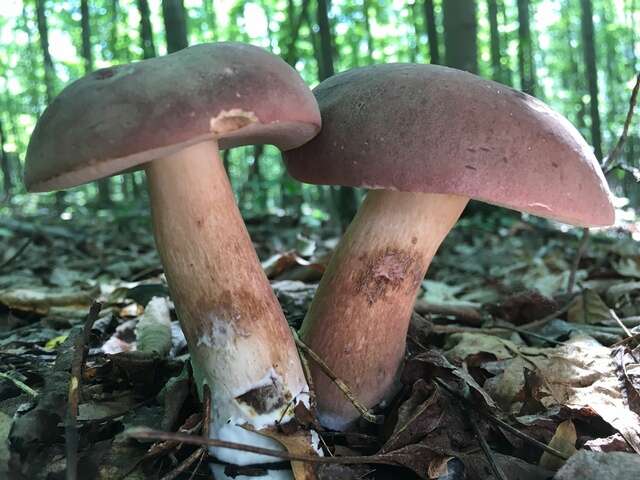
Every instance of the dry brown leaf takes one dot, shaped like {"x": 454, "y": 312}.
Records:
{"x": 564, "y": 440}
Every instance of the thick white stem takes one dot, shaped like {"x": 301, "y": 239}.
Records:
{"x": 239, "y": 340}
{"x": 359, "y": 317}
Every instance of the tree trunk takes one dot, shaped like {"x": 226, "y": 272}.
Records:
{"x": 496, "y": 54}
{"x": 43, "y": 31}
{"x": 104, "y": 187}
{"x": 588, "y": 43}
{"x": 526, "y": 64}
{"x": 460, "y": 34}
{"x": 7, "y": 180}
{"x": 346, "y": 202}
{"x": 295, "y": 23}
{"x": 325, "y": 68}
{"x": 49, "y": 72}
{"x": 175, "y": 25}
{"x": 367, "y": 30}
{"x": 146, "y": 33}
{"x": 212, "y": 21}
{"x": 432, "y": 32}
{"x": 113, "y": 33}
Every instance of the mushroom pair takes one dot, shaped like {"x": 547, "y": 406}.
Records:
{"x": 168, "y": 116}
{"x": 424, "y": 139}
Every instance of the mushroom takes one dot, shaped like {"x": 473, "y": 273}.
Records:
{"x": 169, "y": 116}
{"x": 424, "y": 139}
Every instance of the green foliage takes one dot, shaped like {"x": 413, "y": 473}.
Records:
{"x": 364, "y": 32}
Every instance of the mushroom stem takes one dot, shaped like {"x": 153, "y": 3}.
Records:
{"x": 359, "y": 317}
{"x": 239, "y": 340}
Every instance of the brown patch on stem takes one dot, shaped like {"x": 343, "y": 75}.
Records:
{"x": 388, "y": 270}
{"x": 266, "y": 398}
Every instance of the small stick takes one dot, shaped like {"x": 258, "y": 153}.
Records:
{"x": 624, "y": 341}
{"x": 22, "y": 248}
{"x": 486, "y": 449}
{"x": 306, "y": 369}
{"x": 21, "y": 385}
{"x": 506, "y": 426}
{"x": 79, "y": 355}
{"x": 576, "y": 261}
{"x": 343, "y": 387}
{"x": 609, "y": 160}
{"x": 201, "y": 451}
{"x": 548, "y": 318}
{"x": 149, "y": 434}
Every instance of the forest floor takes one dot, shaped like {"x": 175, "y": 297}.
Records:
{"x": 501, "y": 360}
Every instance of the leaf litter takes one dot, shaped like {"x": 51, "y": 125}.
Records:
{"x": 498, "y": 355}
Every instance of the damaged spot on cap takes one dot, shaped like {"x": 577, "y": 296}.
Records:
{"x": 266, "y": 398}
{"x": 113, "y": 72}
{"x": 230, "y": 120}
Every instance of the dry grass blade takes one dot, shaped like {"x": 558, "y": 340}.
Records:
{"x": 342, "y": 386}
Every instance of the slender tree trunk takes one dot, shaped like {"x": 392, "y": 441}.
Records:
{"x": 146, "y": 33}
{"x": 367, "y": 30}
{"x": 589, "y": 49}
{"x": 43, "y": 31}
{"x": 525, "y": 49}
{"x": 175, "y": 24}
{"x": 346, "y": 201}
{"x": 35, "y": 81}
{"x": 7, "y": 180}
{"x": 432, "y": 32}
{"x": 49, "y": 72}
{"x": 212, "y": 20}
{"x": 460, "y": 34}
{"x": 104, "y": 186}
{"x": 326, "y": 42}
{"x": 113, "y": 32}
{"x": 295, "y": 23}
{"x": 414, "y": 45}
{"x": 496, "y": 54}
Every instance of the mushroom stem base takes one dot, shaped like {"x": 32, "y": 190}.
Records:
{"x": 239, "y": 340}
{"x": 359, "y": 317}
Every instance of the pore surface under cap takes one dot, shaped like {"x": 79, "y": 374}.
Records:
{"x": 426, "y": 128}
{"x": 119, "y": 117}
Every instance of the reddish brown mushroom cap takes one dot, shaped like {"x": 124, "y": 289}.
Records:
{"x": 117, "y": 118}
{"x": 426, "y": 128}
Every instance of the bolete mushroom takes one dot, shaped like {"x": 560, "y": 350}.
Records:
{"x": 169, "y": 116}
{"x": 424, "y": 139}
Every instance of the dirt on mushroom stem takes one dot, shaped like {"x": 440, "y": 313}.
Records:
{"x": 238, "y": 337}
{"x": 374, "y": 274}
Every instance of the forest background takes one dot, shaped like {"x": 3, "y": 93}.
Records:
{"x": 580, "y": 56}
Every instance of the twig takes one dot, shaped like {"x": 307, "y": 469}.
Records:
{"x": 608, "y": 164}
{"x": 624, "y": 341}
{"x": 186, "y": 463}
{"x": 149, "y": 434}
{"x": 201, "y": 452}
{"x": 462, "y": 312}
{"x": 492, "y": 330}
{"x": 610, "y": 160}
{"x": 576, "y": 261}
{"x": 306, "y": 369}
{"x": 342, "y": 386}
{"x": 627, "y": 332}
{"x": 79, "y": 355}
{"x": 22, "y": 248}
{"x": 548, "y": 318}
{"x": 514, "y": 431}
{"x": 21, "y": 385}
{"x": 497, "y": 470}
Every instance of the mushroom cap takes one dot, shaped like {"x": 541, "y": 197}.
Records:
{"x": 426, "y": 128}
{"x": 119, "y": 118}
